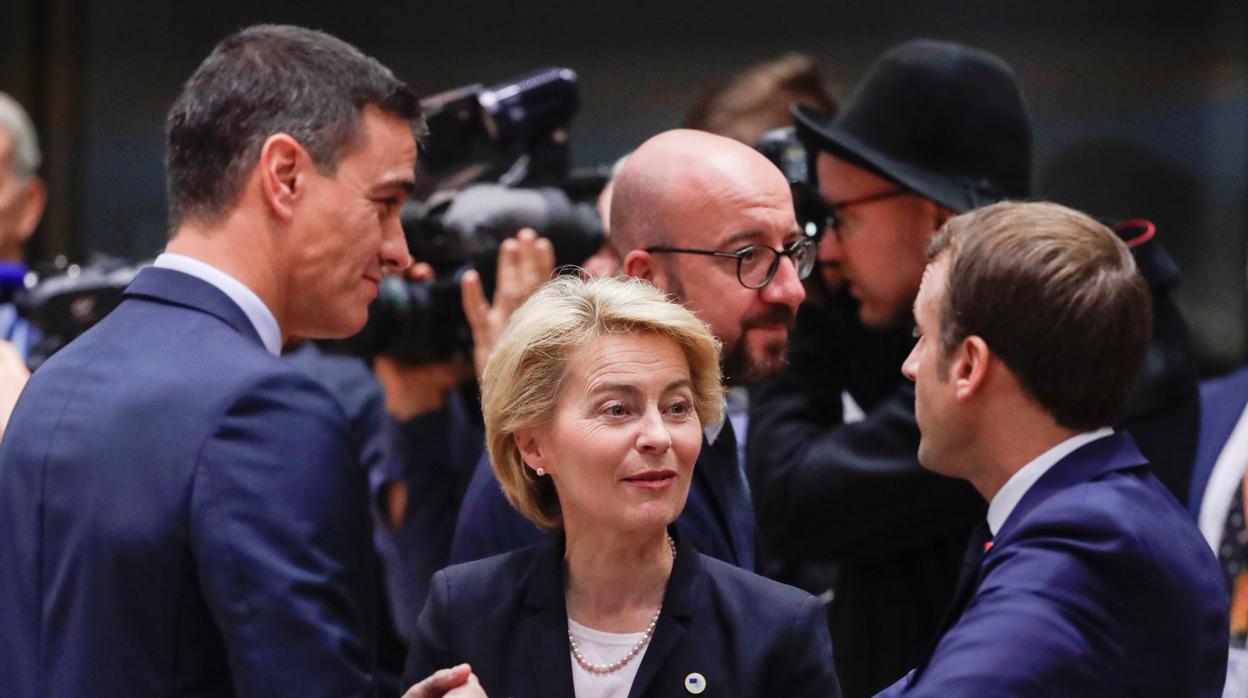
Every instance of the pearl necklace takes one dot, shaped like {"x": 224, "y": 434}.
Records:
{"x": 633, "y": 651}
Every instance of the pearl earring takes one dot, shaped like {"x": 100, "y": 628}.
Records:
{"x": 540, "y": 471}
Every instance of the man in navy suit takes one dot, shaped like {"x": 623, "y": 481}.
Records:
{"x": 183, "y": 511}
{"x": 1090, "y": 580}
{"x": 685, "y": 209}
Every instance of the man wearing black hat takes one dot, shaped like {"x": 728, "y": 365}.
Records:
{"x": 934, "y": 129}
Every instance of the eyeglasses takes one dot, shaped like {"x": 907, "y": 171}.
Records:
{"x": 832, "y": 211}
{"x": 757, "y": 264}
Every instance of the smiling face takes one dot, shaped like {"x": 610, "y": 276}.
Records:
{"x": 625, "y": 437}
{"x": 347, "y": 231}
{"x": 880, "y": 245}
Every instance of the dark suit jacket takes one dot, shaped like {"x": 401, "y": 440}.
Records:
{"x": 488, "y": 525}
{"x": 748, "y": 636}
{"x": 1098, "y": 584}
{"x": 183, "y": 515}
{"x": 1222, "y": 402}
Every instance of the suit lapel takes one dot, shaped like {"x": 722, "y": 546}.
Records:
{"x": 968, "y": 582}
{"x": 710, "y": 465}
{"x": 177, "y": 288}
{"x": 684, "y": 589}
{"x": 543, "y": 633}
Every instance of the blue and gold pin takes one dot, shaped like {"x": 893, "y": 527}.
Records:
{"x": 695, "y": 683}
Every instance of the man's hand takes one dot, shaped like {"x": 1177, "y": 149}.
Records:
{"x": 13, "y": 377}
{"x": 456, "y": 682}
{"x": 415, "y": 389}
{"x": 524, "y": 263}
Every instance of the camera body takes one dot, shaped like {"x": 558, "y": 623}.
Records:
{"x": 496, "y": 161}
{"x": 783, "y": 147}
{"x": 66, "y": 302}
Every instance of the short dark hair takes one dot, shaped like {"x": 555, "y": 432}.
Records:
{"x": 261, "y": 81}
{"x": 1057, "y": 296}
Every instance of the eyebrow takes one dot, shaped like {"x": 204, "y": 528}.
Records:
{"x": 407, "y": 184}
{"x": 630, "y": 388}
{"x": 744, "y": 235}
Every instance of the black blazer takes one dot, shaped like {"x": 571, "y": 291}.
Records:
{"x": 505, "y": 615}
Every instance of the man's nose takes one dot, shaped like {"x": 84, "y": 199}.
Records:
{"x": 909, "y": 367}
{"x": 785, "y": 287}
{"x": 830, "y": 249}
{"x": 394, "y": 255}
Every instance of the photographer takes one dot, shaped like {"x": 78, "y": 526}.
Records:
{"x": 934, "y": 129}
{"x": 433, "y": 435}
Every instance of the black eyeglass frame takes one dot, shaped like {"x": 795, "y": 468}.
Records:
{"x": 830, "y": 210}
{"x": 791, "y": 252}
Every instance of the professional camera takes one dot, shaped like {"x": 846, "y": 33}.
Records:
{"x": 786, "y": 150}
{"x": 496, "y": 161}
{"x": 68, "y": 300}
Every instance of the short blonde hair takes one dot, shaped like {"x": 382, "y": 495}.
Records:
{"x": 525, "y": 375}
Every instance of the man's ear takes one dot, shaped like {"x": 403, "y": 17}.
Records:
{"x": 283, "y": 174}
{"x": 970, "y": 367}
{"x": 640, "y": 264}
{"x": 34, "y": 198}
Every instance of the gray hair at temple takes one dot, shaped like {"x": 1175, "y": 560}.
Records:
{"x": 25, "y": 158}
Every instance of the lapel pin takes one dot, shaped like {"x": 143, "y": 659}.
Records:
{"x": 695, "y": 683}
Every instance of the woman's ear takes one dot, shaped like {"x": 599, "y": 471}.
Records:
{"x": 531, "y": 451}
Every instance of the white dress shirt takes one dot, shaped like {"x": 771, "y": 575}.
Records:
{"x": 256, "y": 311}
{"x": 1008, "y": 497}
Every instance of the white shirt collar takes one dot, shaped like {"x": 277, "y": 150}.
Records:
{"x": 1012, "y": 492}
{"x": 712, "y": 431}
{"x": 256, "y": 311}
{"x": 736, "y": 403}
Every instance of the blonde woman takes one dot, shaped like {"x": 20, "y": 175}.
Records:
{"x": 594, "y": 401}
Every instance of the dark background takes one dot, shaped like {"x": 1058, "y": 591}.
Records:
{"x": 1140, "y": 108}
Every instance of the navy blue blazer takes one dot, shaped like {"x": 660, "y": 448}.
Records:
{"x": 505, "y": 615}
{"x": 1098, "y": 584}
{"x": 489, "y": 525}
{"x": 183, "y": 515}
{"x": 1222, "y": 401}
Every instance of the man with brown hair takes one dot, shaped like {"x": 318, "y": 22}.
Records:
{"x": 1090, "y": 579}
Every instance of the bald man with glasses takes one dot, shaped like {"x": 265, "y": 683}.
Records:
{"x": 711, "y": 222}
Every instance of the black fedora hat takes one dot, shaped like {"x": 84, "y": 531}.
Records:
{"x": 944, "y": 120}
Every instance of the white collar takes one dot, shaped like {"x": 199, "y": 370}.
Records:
{"x": 1012, "y": 492}
{"x": 735, "y": 400}
{"x": 257, "y": 312}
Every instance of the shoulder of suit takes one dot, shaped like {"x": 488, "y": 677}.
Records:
{"x": 492, "y": 578}
{"x": 733, "y": 581}
{"x": 1233, "y": 385}
{"x": 1130, "y": 506}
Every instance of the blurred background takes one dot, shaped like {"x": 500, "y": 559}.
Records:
{"x": 1141, "y": 108}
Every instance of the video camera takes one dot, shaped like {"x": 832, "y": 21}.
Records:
{"x": 65, "y": 300}
{"x": 496, "y": 161}
{"x": 786, "y": 150}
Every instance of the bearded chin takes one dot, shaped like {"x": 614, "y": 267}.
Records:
{"x": 742, "y": 368}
